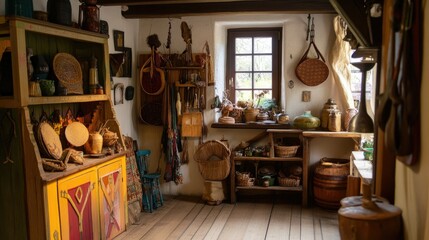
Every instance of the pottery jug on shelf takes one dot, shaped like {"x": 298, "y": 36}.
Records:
{"x": 306, "y": 121}
{"x": 94, "y": 144}
{"x": 89, "y": 16}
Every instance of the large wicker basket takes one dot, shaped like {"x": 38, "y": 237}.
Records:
{"x": 213, "y": 159}
{"x": 285, "y": 151}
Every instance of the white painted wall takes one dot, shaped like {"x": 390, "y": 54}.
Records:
{"x": 213, "y": 29}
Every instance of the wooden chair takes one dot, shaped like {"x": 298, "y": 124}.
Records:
{"x": 152, "y": 196}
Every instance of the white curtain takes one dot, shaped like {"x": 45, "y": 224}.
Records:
{"x": 340, "y": 64}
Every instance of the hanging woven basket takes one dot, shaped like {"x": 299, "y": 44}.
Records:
{"x": 312, "y": 71}
{"x": 213, "y": 159}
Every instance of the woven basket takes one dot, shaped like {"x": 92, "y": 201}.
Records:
{"x": 312, "y": 71}
{"x": 69, "y": 72}
{"x": 285, "y": 151}
{"x": 288, "y": 182}
{"x": 213, "y": 159}
{"x": 244, "y": 179}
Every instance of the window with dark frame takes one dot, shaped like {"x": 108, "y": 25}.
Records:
{"x": 253, "y": 63}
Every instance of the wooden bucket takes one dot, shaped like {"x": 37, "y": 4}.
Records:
{"x": 330, "y": 182}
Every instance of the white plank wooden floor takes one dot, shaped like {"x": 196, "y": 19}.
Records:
{"x": 191, "y": 218}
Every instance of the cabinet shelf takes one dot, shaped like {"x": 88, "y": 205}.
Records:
{"x": 271, "y": 188}
{"x": 67, "y": 99}
{"x": 274, "y": 159}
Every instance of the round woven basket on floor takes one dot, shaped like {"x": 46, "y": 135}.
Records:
{"x": 213, "y": 159}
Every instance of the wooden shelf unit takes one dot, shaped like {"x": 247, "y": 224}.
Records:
{"x": 44, "y": 203}
{"x": 272, "y": 134}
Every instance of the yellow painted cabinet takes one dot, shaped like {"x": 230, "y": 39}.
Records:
{"x": 90, "y": 204}
{"x": 112, "y": 195}
{"x": 77, "y": 201}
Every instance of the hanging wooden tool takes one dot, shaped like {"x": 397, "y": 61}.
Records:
{"x": 152, "y": 78}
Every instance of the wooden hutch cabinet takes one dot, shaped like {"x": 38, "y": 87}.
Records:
{"x": 85, "y": 201}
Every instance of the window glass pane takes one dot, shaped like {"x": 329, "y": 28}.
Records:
{"x": 243, "y": 45}
{"x": 263, "y": 63}
{"x": 263, "y": 80}
{"x": 243, "y": 63}
{"x": 243, "y": 80}
{"x": 263, "y": 45}
{"x": 243, "y": 95}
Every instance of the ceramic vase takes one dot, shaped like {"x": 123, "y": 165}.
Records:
{"x": 306, "y": 121}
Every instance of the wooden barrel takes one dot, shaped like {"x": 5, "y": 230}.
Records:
{"x": 330, "y": 182}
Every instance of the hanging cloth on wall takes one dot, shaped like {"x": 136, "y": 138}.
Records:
{"x": 171, "y": 140}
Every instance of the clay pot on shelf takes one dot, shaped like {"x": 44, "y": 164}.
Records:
{"x": 94, "y": 144}
{"x": 250, "y": 114}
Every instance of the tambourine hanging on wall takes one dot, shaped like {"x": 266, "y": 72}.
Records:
{"x": 312, "y": 71}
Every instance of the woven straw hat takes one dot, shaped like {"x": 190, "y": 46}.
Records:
{"x": 51, "y": 140}
{"x": 76, "y": 134}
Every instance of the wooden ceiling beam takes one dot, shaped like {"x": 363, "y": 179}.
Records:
{"x": 236, "y": 7}
{"x": 157, "y": 2}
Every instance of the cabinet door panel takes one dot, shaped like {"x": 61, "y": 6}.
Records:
{"x": 78, "y": 207}
{"x": 111, "y": 198}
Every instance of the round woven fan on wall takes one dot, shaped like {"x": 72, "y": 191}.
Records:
{"x": 51, "y": 140}
{"x": 312, "y": 71}
{"x": 69, "y": 73}
{"x": 76, "y": 134}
